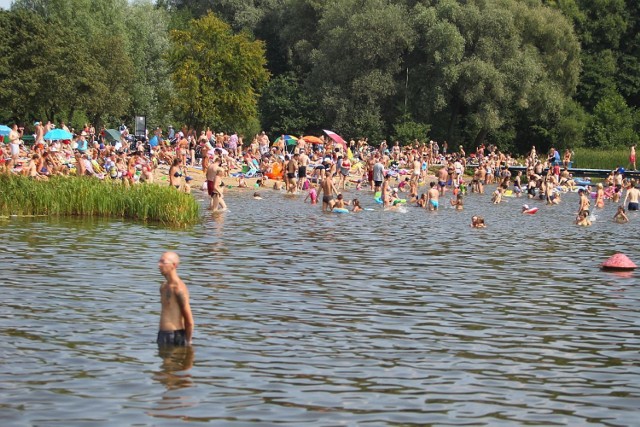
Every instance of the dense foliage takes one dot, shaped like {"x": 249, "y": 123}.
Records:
{"x": 516, "y": 73}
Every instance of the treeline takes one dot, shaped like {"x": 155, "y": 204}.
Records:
{"x": 516, "y": 73}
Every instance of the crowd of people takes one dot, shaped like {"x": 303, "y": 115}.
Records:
{"x": 418, "y": 173}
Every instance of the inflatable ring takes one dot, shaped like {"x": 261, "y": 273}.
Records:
{"x": 340, "y": 210}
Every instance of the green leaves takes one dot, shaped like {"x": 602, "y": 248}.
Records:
{"x": 217, "y": 74}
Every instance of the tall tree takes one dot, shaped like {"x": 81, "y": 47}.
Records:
{"x": 218, "y": 75}
{"x": 485, "y": 61}
{"x": 359, "y": 53}
{"x": 147, "y": 29}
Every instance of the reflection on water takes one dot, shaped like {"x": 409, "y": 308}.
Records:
{"x": 305, "y": 318}
{"x": 174, "y": 375}
{"x": 175, "y": 361}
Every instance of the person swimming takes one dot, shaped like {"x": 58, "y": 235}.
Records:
{"x": 583, "y": 219}
{"x": 356, "y": 205}
{"x": 477, "y": 222}
{"x": 458, "y": 203}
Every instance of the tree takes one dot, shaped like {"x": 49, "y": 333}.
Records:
{"x": 612, "y": 123}
{"x": 285, "y": 107}
{"x": 147, "y": 30}
{"x": 78, "y": 60}
{"x": 217, "y": 75}
{"x": 489, "y": 63}
{"x": 359, "y": 54}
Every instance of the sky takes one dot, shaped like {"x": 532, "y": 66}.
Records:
{"x": 5, "y": 4}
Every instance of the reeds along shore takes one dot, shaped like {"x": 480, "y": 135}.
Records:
{"x": 72, "y": 196}
{"x": 589, "y": 158}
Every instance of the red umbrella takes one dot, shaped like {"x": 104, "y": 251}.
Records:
{"x": 337, "y": 138}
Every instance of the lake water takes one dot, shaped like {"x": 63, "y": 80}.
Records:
{"x": 312, "y": 319}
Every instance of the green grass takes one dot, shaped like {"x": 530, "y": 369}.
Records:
{"x": 72, "y": 196}
{"x": 588, "y": 158}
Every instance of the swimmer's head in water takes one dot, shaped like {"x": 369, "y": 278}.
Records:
{"x": 340, "y": 196}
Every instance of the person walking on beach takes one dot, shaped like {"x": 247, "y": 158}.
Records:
{"x": 176, "y": 319}
{"x": 632, "y": 156}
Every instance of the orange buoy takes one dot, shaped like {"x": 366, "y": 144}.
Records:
{"x": 618, "y": 262}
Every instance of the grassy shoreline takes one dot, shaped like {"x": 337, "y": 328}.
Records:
{"x": 73, "y": 196}
{"x": 590, "y": 158}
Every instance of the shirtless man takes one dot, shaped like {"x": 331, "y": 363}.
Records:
{"x": 303, "y": 162}
{"x": 432, "y": 197}
{"x": 210, "y": 174}
{"x": 39, "y": 133}
{"x": 292, "y": 168}
{"x": 176, "y": 320}
{"x": 632, "y": 196}
{"x": 328, "y": 190}
{"x": 14, "y": 143}
{"x": 443, "y": 176}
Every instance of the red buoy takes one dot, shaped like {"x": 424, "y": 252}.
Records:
{"x": 618, "y": 262}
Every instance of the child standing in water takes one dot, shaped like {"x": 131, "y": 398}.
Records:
{"x": 457, "y": 202}
{"x": 620, "y": 217}
{"x": 312, "y": 195}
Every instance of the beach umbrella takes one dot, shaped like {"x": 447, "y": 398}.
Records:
{"x": 288, "y": 139}
{"x": 313, "y": 139}
{"x": 336, "y": 138}
{"x": 4, "y": 130}
{"x": 112, "y": 135}
{"x": 57, "y": 135}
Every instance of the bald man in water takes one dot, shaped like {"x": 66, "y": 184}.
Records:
{"x": 176, "y": 320}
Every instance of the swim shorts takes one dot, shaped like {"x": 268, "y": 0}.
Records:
{"x": 442, "y": 183}
{"x": 175, "y": 338}
{"x": 377, "y": 183}
{"x": 633, "y": 206}
{"x": 326, "y": 199}
{"x": 434, "y": 203}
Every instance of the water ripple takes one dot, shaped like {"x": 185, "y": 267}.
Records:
{"x": 305, "y": 318}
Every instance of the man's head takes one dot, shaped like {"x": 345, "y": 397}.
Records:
{"x": 168, "y": 262}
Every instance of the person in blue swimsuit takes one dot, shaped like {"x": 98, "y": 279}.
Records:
{"x": 432, "y": 197}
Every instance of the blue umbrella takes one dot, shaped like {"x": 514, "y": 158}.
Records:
{"x": 4, "y": 130}
{"x": 57, "y": 134}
